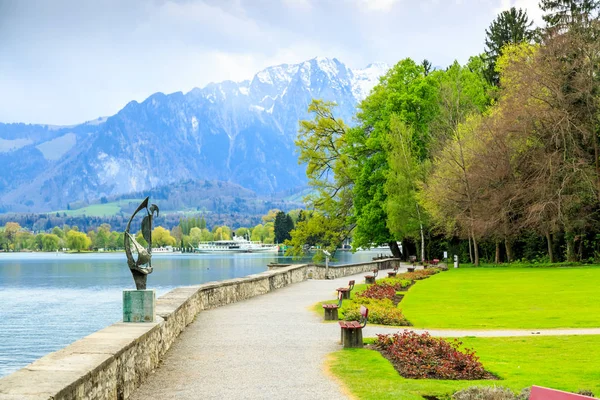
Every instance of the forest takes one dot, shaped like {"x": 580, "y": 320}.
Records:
{"x": 496, "y": 160}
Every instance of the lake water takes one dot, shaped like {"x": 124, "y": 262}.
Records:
{"x": 48, "y": 300}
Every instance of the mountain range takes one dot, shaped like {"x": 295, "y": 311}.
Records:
{"x": 239, "y": 132}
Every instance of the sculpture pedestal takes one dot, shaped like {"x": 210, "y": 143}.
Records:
{"x": 139, "y": 305}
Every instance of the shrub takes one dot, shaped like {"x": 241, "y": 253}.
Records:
{"x": 378, "y": 291}
{"x": 425, "y": 357}
{"x": 380, "y": 312}
{"x": 585, "y": 392}
{"x": 396, "y": 283}
{"x": 419, "y": 274}
{"x": 484, "y": 393}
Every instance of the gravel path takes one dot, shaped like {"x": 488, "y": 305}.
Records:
{"x": 271, "y": 347}
{"x": 268, "y": 347}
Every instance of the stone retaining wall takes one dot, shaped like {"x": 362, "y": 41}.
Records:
{"x": 112, "y": 362}
{"x": 320, "y": 272}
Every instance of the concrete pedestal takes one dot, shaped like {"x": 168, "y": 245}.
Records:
{"x": 139, "y": 305}
{"x": 331, "y": 314}
{"x": 352, "y": 338}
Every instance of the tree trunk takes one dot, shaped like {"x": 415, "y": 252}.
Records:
{"x": 550, "y": 252}
{"x": 422, "y": 234}
{"x": 571, "y": 250}
{"x": 497, "y": 260}
{"x": 508, "y": 247}
{"x": 470, "y": 251}
{"x": 580, "y": 251}
{"x": 422, "y": 244}
{"x": 475, "y": 252}
{"x": 395, "y": 249}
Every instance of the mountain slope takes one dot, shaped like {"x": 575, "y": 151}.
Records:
{"x": 241, "y": 132}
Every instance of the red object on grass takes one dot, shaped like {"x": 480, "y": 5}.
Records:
{"x": 540, "y": 393}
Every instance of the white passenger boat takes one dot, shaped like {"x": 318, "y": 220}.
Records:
{"x": 236, "y": 245}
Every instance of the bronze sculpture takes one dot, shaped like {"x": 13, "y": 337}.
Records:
{"x": 138, "y": 267}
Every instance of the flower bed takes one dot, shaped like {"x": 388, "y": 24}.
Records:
{"x": 425, "y": 357}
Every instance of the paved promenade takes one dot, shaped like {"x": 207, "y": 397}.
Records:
{"x": 269, "y": 347}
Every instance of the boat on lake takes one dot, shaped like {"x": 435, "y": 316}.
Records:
{"x": 164, "y": 250}
{"x": 236, "y": 245}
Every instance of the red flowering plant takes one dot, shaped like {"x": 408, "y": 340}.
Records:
{"x": 421, "y": 356}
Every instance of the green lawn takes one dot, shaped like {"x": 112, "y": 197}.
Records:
{"x": 100, "y": 210}
{"x": 568, "y": 363}
{"x": 498, "y": 298}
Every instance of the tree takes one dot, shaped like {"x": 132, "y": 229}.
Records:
{"x": 78, "y": 241}
{"x": 10, "y": 230}
{"x": 321, "y": 143}
{"x": 162, "y": 237}
{"x": 561, "y": 14}
{"x": 405, "y": 219}
{"x": 283, "y": 225}
{"x": 407, "y": 95}
{"x": 50, "y": 242}
{"x": 509, "y": 27}
{"x": 258, "y": 233}
{"x": 242, "y": 232}
{"x": 195, "y": 236}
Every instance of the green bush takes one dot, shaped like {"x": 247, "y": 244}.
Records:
{"x": 484, "y": 393}
{"x": 380, "y": 312}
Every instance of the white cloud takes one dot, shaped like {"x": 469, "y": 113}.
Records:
{"x": 531, "y": 6}
{"x": 379, "y": 5}
{"x": 74, "y": 60}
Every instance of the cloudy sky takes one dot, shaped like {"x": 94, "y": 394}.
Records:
{"x": 69, "y": 61}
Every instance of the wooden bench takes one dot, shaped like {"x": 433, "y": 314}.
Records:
{"x": 540, "y": 393}
{"x": 345, "y": 291}
{"x": 369, "y": 279}
{"x": 331, "y": 310}
{"x": 435, "y": 262}
{"x": 411, "y": 268}
{"x": 351, "y": 335}
{"x": 394, "y": 272}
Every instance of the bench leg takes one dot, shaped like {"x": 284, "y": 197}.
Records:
{"x": 331, "y": 314}
{"x": 352, "y": 338}
{"x": 346, "y": 295}
{"x": 369, "y": 280}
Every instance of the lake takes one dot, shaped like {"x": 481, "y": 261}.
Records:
{"x": 49, "y": 300}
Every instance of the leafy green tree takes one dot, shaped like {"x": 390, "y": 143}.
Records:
{"x": 405, "y": 219}
{"x": 509, "y": 27}
{"x": 258, "y": 233}
{"x": 242, "y": 232}
{"x": 162, "y": 237}
{"x": 10, "y": 231}
{"x": 408, "y": 95}
{"x": 58, "y": 232}
{"x": 321, "y": 143}
{"x": 78, "y": 241}
{"x": 50, "y": 242}
{"x": 206, "y": 235}
{"x": 195, "y": 236}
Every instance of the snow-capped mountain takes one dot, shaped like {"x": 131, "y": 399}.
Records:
{"x": 242, "y": 132}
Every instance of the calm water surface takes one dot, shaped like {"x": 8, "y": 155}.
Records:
{"x": 48, "y": 300}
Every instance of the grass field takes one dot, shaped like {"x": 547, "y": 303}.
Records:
{"x": 569, "y": 363}
{"x": 100, "y": 210}
{"x": 503, "y": 298}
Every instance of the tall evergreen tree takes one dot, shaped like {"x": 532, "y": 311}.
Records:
{"x": 561, "y": 14}
{"x": 510, "y": 27}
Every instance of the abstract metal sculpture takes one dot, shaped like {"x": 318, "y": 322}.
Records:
{"x": 138, "y": 267}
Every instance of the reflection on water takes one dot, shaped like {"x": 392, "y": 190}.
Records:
{"x": 48, "y": 300}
